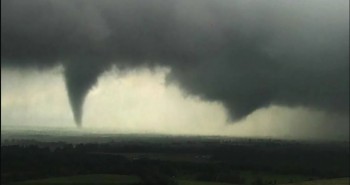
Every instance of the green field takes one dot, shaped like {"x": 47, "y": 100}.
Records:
{"x": 339, "y": 181}
{"x": 103, "y": 179}
{"x": 183, "y": 182}
{"x": 271, "y": 177}
{"x": 85, "y": 179}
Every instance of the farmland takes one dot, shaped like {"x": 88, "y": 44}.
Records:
{"x": 171, "y": 160}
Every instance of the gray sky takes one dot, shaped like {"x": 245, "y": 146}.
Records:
{"x": 141, "y": 102}
{"x": 247, "y": 68}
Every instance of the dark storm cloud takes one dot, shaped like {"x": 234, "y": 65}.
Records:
{"x": 246, "y": 54}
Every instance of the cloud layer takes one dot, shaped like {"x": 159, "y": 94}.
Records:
{"x": 245, "y": 54}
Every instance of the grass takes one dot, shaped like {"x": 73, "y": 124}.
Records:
{"x": 264, "y": 176}
{"x": 338, "y": 181}
{"x": 84, "y": 179}
{"x": 104, "y": 179}
{"x": 187, "y": 182}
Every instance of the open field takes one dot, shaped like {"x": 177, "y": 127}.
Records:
{"x": 105, "y": 179}
{"x": 84, "y": 179}
{"x": 102, "y": 179}
{"x": 272, "y": 177}
{"x": 185, "y": 160}
{"x": 338, "y": 181}
{"x": 184, "y": 182}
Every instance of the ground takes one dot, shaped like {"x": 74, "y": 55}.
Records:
{"x": 338, "y": 181}
{"x": 104, "y": 179}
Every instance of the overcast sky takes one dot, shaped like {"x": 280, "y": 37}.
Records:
{"x": 242, "y": 68}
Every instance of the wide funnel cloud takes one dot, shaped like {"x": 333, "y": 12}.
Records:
{"x": 245, "y": 54}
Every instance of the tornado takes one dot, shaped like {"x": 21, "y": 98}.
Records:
{"x": 79, "y": 79}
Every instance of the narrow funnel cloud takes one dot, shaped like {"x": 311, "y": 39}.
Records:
{"x": 78, "y": 83}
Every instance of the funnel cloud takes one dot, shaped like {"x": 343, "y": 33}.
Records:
{"x": 78, "y": 83}
{"x": 245, "y": 54}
